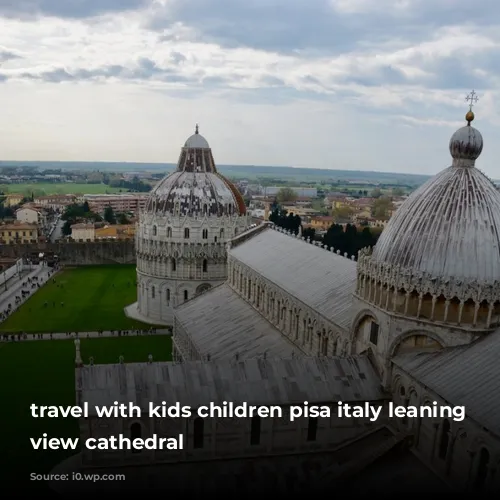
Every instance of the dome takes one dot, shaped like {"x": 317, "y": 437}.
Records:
{"x": 196, "y": 141}
{"x": 450, "y": 226}
{"x": 466, "y": 144}
{"x": 196, "y": 187}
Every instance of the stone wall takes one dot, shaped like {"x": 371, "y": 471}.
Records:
{"x": 77, "y": 253}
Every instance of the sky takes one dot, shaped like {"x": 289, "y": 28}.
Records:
{"x": 343, "y": 84}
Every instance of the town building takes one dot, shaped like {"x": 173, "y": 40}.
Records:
{"x": 14, "y": 199}
{"x": 120, "y": 203}
{"x": 18, "y": 232}
{"x": 57, "y": 202}
{"x": 83, "y": 231}
{"x": 32, "y": 215}
{"x": 115, "y": 231}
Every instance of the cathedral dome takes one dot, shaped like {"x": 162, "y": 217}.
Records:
{"x": 466, "y": 143}
{"x": 196, "y": 187}
{"x": 449, "y": 228}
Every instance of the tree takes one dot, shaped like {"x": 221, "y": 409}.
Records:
{"x": 309, "y": 232}
{"x": 287, "y": 221}
{"x": 109, "y": 215}
{"x": 343, "y": 214}
{"x": 376, "y": 193}
{"x": 397, "y": 191}
{"x": 381, "y": 207}
{"x": 286, "y": 194}
{"x": 66, "y": 229}
{"x": 349, "y": 240}
{"x": 122, "y": 218}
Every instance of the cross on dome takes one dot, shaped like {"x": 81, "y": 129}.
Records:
{"x": 466, "y": 143}
{"x": 196, "y": 130}
{"x": 471, "y": 98}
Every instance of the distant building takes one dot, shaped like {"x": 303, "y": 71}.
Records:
{"x": 116, "y": 231}
{"x": 126, "y": 202}
{"x": 32, "y": 215}
{"x": 322, "y": 222}
{"x": 55, "y": 201}
{"x": 302, "y": 192}
{"x": 11, "y": 200}
{"x": 18, "y": 232}
{"x": 83, "y": 231}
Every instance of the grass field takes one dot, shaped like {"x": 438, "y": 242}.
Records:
{"x": 41, "y": 189}
{"x": 94, "y": 298}
{"x": 42, "y": 372}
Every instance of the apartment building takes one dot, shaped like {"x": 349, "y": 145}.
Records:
{"x": 126, "y": 202}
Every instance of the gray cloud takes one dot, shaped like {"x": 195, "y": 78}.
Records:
{"x": 66, "y": 8}
{"x": 313, "y": 26}
{"x": 7, "y": 55}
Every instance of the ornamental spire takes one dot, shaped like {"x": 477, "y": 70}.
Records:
{"x": 471, "y": 98}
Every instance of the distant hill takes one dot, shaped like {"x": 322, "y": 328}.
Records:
{"x": 250, "y": 172}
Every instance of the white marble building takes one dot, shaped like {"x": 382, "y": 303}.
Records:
{"x": 424, "y": 306}
{"x": 182, "y": 234}
{"x": 422, "y": 310}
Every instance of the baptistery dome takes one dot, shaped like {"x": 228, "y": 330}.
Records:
{"x": 196, "y": 187}
{"x": 182, "y": 234}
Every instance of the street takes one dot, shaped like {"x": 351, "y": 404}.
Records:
{"x": 56, "y": 232}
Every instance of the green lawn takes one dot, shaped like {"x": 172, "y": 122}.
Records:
{"x": 42, "y": 189}
{"x": 94, "y": 298}
{"x": 42, "y": 372}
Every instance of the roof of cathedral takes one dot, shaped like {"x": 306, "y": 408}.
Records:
{"x": 463, "y": 376}
{"x": 450, "y": 226}
{"x": 230, "y": 326}
{"x": 254, "y": 381}
{"x": 196, "y": 187}
{"x": 320, "y": 279}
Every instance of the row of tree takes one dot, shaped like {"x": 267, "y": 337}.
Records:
{"x": 345, "y": 239}
{"x": 82, "y": 213}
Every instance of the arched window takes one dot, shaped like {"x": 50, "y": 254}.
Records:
{"x": 205, "y": 209}
{"x": 312, "y": 429}
{"x": 155, "y": 231}
{"x": 186, "y": 232}
{"x": 198, "y": 433}
{"x": 204, "y": 234}
{"x": 174, "y": 265}
{"x": 236, "y": 231}
{"x": 153, "y": 292}
{"x": 444, "y": 440}
{"x": 168, "y": 296}
{"x": 205, "y": 265}
{"x": 169, "y": 232}
{"x": 185, "y": 295}
{"x": 482, "y": 469}
{"x": 135, "y": 433}
{"x": 222, "y": 233}
{"x": 255, "y": 431}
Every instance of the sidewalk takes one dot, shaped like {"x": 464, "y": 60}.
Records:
{"x": 14, "y": 289}
{"x": 25, "y": 337}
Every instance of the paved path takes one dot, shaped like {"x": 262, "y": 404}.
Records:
{"x": 81, "y": 335}
{"x": 16, "y": 285}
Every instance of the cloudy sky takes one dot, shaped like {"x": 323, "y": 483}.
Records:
{"x": 347, "y": 84}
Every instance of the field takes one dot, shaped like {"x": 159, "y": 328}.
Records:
{"x": 44, "y": 189}
{"x": 42, "y": 372}
{"x": 93, "y": 299}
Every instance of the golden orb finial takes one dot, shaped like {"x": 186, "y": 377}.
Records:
{"x": 469, "y": 116}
